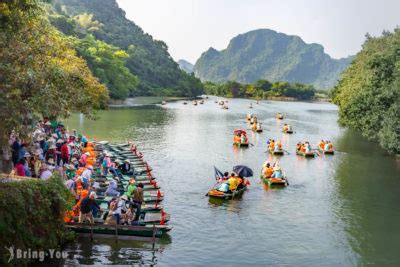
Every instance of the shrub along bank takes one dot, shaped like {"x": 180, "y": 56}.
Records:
{"x": 32, "y": 215}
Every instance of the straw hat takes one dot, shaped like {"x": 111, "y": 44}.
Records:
{"x": 48, "y": 123}
{"x": 73, "y": 160}
{"x": 27, "y": 155}
{"x": 71, "y": 144}
{"x": 89, "y": 167}
{"x": 52, "y": 147}
{"x": 116, "y": 178}
{"x": 59, "y": 141}
{"x": 124, "y": 197}
{"x": 127, "y": 161}
{"x": 87, "y": 153}
{"x": 50, "y": 161}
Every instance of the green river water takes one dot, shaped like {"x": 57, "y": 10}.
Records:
{"x": 341, "y": 210}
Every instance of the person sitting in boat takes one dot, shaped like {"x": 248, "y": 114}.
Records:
{"x": 321, "y": 144}
{"x": 248, "y": 116}
{"x": 330, "y": 146}
{"x": 299, "y": 146}
{"x": 307, "y": 147}
{"x": 112, "y": 188}
{"x": 272, "y": 144}
{"x": 267, "y": 171}
{"x": 253, "y": 120}
{"x": 258, "y": 126}
{"x": 241, "y": 182}
{"x": 278, "y": 146}
{"x": 233, "y": 183}
{"x": 224, "y": 178}
{"x": 236, "y": 138}
{"x": 224, "y": 187}
{"x": 277, "y": 172}
{"x": 285, "y": 127}
{"x": 126, "y": 168}
{"x": 243, "y": 138}
{"x": 254, "y": 126}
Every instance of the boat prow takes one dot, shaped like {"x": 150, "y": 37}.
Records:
{"x": 226, "y": 195}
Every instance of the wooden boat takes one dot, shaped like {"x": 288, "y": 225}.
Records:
{"x": 277, "y": 152}
{"x": 123, "y": 232}
{"x": 225, "y": 107}
{"x": 274, "y": 181}
{"x": 288, "y": 132}
{"x": 185, "y": 103}
{"x": 304, "y": 154}
{"x": 230, "y": 195}
{"x": 258, "y": 130}
{"x": 279, "y": 116}
{"x": 195, "y": 103}
{"x": 327, "y": 152}
{"x": 241, "y": 144}
{"x": 201, "y": 102}
{"x": 163, "y": 103}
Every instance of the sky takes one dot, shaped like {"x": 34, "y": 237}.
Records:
{"x": 190, "y": 27}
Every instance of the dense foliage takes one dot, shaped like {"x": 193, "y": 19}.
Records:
{"x": 40, "y": 72}
{"x": 32, "y": 215}
{"x": 266, "y": 54}
{"x": 148, "y": 59}
{"x": 368, "y": 93}
{"x": 262, "y": 89}
{"x": 108, "y": 64}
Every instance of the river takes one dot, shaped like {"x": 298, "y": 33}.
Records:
{"x": 338, "y": 210}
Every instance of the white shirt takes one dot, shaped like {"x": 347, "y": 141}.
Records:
{"x": 46, "y": 175}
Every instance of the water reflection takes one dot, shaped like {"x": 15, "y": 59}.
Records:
{"x": 368, "y": 186}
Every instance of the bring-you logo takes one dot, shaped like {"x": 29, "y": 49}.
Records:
{"x": 39, "y": 255}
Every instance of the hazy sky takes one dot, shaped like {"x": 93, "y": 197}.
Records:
{"x": 190, "y": 27}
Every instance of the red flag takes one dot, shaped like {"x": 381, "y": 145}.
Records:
{"x": 158, "y": 194}
{"x": 155, "y": 184}
{"x": 162, "y": 222}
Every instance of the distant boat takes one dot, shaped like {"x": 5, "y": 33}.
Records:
{"x": 185, "y": 103}
{"x": 163, "y": 103}
{"x": 195, "y": 103}
{"x": 225, "y": 107}
{"x": 201, "y": 102}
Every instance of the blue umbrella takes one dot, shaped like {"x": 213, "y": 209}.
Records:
{"x": 243, "y": 171}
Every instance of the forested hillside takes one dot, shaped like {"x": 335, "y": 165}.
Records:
{"x": 368, "y": 93}
{"x": 266, "y": 54}
{"x": 105, "y": 38}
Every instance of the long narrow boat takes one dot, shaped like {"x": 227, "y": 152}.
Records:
{"x": 306, "y": 155}
{"x": 230, "y": 195}
{"x": 278, "y": 182}
{"x": 276, "y": 152}
{"x": 241, "y": 144}
{"x": 287, "y": 132}
{"x": 123, "y": 232}
{"x": 327, "y": 152}
{"x": 258, "y": 130}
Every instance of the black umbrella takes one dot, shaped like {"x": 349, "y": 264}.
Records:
{"x": 243, "y": 171}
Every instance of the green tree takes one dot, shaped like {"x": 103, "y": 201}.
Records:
{"x": 108, "y": 64}
{"x": 368, "y": 93}
{"x": 40, "y": 72}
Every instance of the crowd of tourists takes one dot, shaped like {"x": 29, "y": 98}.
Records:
{"x": 52, "y": 149}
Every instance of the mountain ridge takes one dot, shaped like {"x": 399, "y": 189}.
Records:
{"x": 271, "y": 55}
